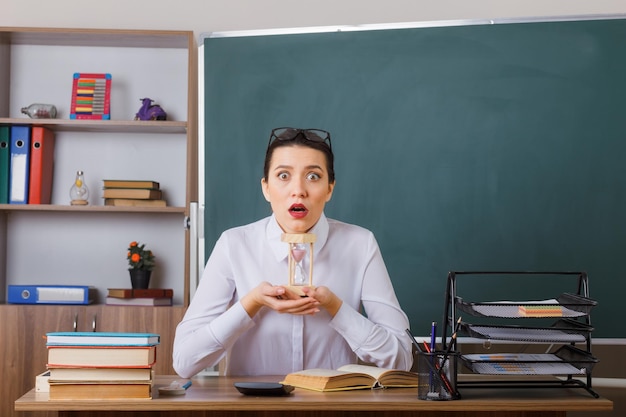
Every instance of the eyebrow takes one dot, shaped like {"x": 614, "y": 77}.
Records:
{"x": 308, "y": 167}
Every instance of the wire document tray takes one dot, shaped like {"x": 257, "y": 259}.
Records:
{"x": 564, "y": 331}
{"x": 566, "y": 305}
{"x": 567, "y": 360}
{"x": 563, "y": 321}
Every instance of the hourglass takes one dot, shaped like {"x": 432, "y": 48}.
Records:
{"x": 299, "y": 244}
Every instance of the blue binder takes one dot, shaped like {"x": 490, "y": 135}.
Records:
{"x": 19, "y": 165}
{"x": 4, "y": 164}
{"x": 50, "y": 294}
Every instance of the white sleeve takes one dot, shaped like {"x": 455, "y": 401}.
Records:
{"x": 379, "y": 336}
{"x": 211, "y": 324}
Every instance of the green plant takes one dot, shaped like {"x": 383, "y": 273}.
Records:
{"x": 139, "y": 257}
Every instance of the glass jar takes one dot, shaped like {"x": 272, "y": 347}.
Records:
{"x": 79, "y": 193}
{"x": 40, "y": 111}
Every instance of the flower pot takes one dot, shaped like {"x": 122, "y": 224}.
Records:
{"x": 139, "y": 278}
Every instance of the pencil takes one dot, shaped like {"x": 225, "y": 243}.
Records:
{"x": 449, "y": 349}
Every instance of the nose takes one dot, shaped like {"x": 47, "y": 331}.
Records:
{"x": 299, "y": 188}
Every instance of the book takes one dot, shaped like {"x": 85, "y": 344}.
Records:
{"x": 143, "y": 301}
{"x": 134, "y": 193}
{"x": 102, "y": 339}
{"x": 350, "y": 377}
{"x": 42, "y": 382}
{"x": 51, "y": 294}
{"x": 19, "y": 164}
{"x": 102, "y": 356}
{"x": 540, "y": 311}
{"x": 5, "y": 158}
{"x": 130, "y": 184}
{"x": 99, "y": 391}
{"x": 41, "y": 165}
{"x": 99, "y": 374}
{"x": 133, "y": 202}
{"x": 140, "y": 292}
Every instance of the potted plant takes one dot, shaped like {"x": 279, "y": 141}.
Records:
{"x": 141, "y": 264}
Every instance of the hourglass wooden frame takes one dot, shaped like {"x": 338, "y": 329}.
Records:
{"x": 292, "y": 238}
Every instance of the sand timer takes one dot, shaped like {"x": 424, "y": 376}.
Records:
{"x": 299, "y": 245}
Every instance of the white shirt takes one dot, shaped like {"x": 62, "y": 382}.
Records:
{"x": 346, "y": 259}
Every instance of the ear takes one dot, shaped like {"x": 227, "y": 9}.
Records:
{"x": 331, "y": 187}
{"x": 266, "y": 193}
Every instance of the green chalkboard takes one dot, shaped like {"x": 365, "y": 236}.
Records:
{"x": 478, "y": 147}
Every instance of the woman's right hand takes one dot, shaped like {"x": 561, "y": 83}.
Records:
{"x": 279, "y": 299}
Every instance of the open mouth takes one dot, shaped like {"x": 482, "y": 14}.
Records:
{"x": 298, "y": 210}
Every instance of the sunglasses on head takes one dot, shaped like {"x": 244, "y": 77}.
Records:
{"x": 286, "y": 134}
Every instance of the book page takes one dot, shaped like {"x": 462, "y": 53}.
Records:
{"x": 317, "y": 372}
{"x": 374, "y": 371}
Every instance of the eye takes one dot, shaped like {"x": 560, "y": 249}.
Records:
{"x": 283, "y": 175}
{"x": 313, "y": 176}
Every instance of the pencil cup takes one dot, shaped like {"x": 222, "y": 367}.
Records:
{"x": 437, "y": 372}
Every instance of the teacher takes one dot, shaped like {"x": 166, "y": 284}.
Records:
{"x": 243, "y": 309}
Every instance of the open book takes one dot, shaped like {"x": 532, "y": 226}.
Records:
{"x": 349, "y": 377}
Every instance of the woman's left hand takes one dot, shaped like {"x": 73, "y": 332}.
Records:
{"x": 325, "y": 297}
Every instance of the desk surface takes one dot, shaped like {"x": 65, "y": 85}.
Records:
{"x": 218, "y": 393}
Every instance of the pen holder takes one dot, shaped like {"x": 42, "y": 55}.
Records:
{"x": 437, "y": 374}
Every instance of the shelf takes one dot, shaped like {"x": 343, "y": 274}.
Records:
{"x": 563, "y": 331}
{"x": 96, "y": 37}
{"x": 115, "y": 126}
{"x": 567, "y": 360}
{"x": 87, "y": 245}
{"x": 565, "y": 305}
{"x": 87, "y": 209}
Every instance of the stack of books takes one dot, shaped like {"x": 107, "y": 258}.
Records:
{"x": 101, "y": 365}
{"x": 140, "y": 297}
{"x": 132, "y": 193}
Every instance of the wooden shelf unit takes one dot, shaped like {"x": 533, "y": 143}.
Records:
{"x": 63, "y": 244}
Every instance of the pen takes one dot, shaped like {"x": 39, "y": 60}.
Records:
{"x": 433, "y": 371}
{"x": 433, "y": 348}
{"x": 433, "y": 336}
{"x": 187, "y": 384}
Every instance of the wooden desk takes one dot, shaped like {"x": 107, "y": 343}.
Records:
{"x": 216, "y": 397}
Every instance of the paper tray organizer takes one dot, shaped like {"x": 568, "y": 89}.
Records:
{"x": 569, "y": 323}
{"x": 564, "y": 331}
{"x": 565, "y": 305}
{"x": 566, "y": 360}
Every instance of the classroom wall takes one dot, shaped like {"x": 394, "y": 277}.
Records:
{"x": 225, "y": 15}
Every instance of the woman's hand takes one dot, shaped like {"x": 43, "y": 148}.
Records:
{"x": 279, "y": 299}
{"x": 325, "y": 297}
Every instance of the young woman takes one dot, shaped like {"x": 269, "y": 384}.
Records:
{"x": 242, "y": 308}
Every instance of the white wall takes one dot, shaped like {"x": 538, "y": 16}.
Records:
{"x": 225, "y": 15}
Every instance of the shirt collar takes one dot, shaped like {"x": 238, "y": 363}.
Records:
{"x": 273, "y": 234}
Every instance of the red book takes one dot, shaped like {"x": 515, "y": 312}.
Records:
{"x": 140, "y": 293}
{"x": 41, "y": 165}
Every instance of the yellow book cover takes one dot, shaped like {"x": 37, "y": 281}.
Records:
{"x": 130, "y": 184}
{"x": 134, "y": 202}
{"x": 100, "y": 391}
{"x": 133, "y": 193}
{"x": 350, "y": 377}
